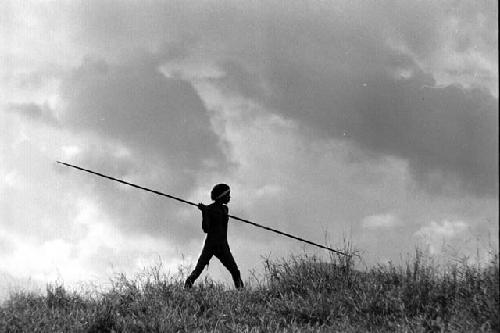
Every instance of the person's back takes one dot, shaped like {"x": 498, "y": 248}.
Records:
{"x": 215, "y": 217}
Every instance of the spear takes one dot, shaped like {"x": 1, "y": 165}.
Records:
{"x": 194, "y": 204}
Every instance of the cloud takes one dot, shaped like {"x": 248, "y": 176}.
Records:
{"x": 321, "y": 117}
{"x": 353, "y": 71}
{"x": 138, "y": 106}
{"x": 445, "y": 229}
{"x": 54, "y": 223}
{"x": 315, "y": 190}
{"x": 466, "y": 51}
{"x": 437, "y": 234}
{"x": 99, "y": 250}
{"x": 29, "y": 110}
{"x": 146, "y": 128}
{"x": 375, "y": 94}
{"x": 33, "y": 111}
{"x": 380, "y": 221}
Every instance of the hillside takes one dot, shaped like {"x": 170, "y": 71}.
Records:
{"x": 298, "y": 294}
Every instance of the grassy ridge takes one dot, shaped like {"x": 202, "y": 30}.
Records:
{"x": 299, "y": 294}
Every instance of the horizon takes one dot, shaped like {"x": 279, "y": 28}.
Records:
{"x": 370, "y": 124}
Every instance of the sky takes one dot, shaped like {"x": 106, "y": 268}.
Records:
{"x": 348, "y": 123}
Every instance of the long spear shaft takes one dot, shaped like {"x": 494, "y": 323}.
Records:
{"x": 194, "y": 204}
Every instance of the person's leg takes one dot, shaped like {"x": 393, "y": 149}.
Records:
{"x": 203, "y": 260}
{"x": 223, "y": 253}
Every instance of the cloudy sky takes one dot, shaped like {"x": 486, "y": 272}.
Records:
{"x": 363, "y": 122}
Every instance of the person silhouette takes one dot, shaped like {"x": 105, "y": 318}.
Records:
{"x": 214, "y": 224}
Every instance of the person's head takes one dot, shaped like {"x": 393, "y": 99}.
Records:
{"x": 220, "y": 193}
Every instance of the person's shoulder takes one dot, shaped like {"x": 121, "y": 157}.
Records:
{"x": 212, "y": 205}
{"x": 217, "y": 208}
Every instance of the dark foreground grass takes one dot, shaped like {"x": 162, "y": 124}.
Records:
{"x": 299, "y": 294}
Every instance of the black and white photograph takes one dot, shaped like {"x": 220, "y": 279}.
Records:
{"x": 249, "y": 166}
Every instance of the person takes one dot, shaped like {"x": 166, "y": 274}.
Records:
{"x": 214, "y": 224}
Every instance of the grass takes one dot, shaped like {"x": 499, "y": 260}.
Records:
{"x": 296, "y": 294}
